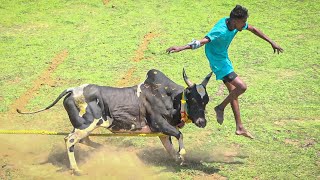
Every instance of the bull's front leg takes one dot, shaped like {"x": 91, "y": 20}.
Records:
{"x": 167, "y": 144}
{"x": 166, "y": 128}
{"x": 182, "y": 150}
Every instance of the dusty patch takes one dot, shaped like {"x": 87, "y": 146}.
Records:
{"x": 291, "y": 141}
{"x": 309, "y": 143}
{"x": 287, "y": 74}
{"x": 139, "y": 55}
{"x": 44, "y": 78}
{"x": 127, "y": 79}
{"x": 105, "y": 2}
{"x": 18, "y": 158}
{"x": 284, "y": 122}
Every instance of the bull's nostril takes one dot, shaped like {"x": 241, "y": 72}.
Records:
{"x": 201, "y": 122}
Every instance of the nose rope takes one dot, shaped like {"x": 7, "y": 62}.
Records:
{"x": 184, "y": 112}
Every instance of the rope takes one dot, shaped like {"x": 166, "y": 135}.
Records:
{"x": 44, "y": 132}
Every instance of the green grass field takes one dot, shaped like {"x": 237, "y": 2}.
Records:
{"x": 116, "y": 42}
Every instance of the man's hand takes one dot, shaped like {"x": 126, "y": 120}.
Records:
{"x": 174, "y": 49}
{"x": 276, "y": 48}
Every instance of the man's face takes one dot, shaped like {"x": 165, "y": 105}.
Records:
{"x": 240, "y": 23}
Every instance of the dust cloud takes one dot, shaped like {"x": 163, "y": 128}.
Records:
{"x": 39, "y": 157}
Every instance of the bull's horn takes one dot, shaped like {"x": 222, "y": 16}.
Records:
{"x": 206, "y": 79}
{"x": 186, "y": 79}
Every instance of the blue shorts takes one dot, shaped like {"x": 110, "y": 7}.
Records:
{"x": 230, "y": 77}
{"x": 221, "y": 68}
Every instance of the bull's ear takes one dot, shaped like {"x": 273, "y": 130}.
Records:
{"x": 186, "y": 79}
{"x": 206, "y": 80}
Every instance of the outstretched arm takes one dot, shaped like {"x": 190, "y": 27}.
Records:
{"x": 174, "y": 49}
{"x": 259, "y": 33}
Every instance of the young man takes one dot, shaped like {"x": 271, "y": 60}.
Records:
{"x": 216, "y": 43}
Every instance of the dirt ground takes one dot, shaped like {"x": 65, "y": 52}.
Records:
{"x": 45, "y": 157}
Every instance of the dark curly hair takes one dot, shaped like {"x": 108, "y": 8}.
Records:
{"x": 239, "y": 12}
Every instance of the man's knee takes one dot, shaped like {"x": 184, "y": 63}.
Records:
{"x": 242, "y": 87}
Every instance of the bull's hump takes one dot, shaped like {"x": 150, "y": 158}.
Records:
{"x": 156, "y": 77}
{"x": 161, "y": 82}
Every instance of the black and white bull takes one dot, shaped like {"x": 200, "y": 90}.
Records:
{"x": 156, "y": 105}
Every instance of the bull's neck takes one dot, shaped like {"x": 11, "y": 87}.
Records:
{"x": 182, "y": 112}
{"x": 183, "y": 104}
{"x": 177, "y": 96}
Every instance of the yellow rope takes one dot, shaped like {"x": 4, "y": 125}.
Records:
{"x": 44, "y": 132}
{"x": 184, "y": 113}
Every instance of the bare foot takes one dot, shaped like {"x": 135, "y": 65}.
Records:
{"x": 219, "y": 114}
{"x": 244, "y": 133}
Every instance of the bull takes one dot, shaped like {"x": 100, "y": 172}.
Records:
{"x": 156, "y": 105}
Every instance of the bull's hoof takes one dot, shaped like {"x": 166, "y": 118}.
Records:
{"x": 182, "y": 152}
{"x": 183, "y": 163}
{"x": 77, "y": 172}
{"x": 182, "y": 160}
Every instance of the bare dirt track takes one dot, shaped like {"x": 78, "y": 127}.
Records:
{"x": 44, "y": 78}
{"x": 128, "y": 79}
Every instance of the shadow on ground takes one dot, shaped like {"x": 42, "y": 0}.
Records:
{"x": 200, "y": 161}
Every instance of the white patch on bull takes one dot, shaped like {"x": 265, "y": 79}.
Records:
{"x": 81, "y": 133}
{"x": 155, "y": 72}
{"x": 201, "y": 90}
{"x": 82, "y": 108}
{"x": 78, "y": 91}
{"x": 80, "y": 99}
{"x": 139, "y": 89}
{"x": 106, "y": 123}
{"x": 110, "y": 120}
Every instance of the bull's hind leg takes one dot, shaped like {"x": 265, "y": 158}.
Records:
{"x": 73, "y": 138}
{"x": 85, "y": 117}
{"x": 70, "y": 141}
{"x": 87, "y": 141}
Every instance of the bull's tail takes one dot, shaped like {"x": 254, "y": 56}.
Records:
{"x": 65, "y": 92}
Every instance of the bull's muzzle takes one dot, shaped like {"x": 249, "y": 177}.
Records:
{"x": 201, "y": 122}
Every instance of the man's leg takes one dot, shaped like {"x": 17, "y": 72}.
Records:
{"x": 236, "y": 87}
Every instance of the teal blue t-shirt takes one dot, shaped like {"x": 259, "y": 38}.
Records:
{"x": 217, "y": 49}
